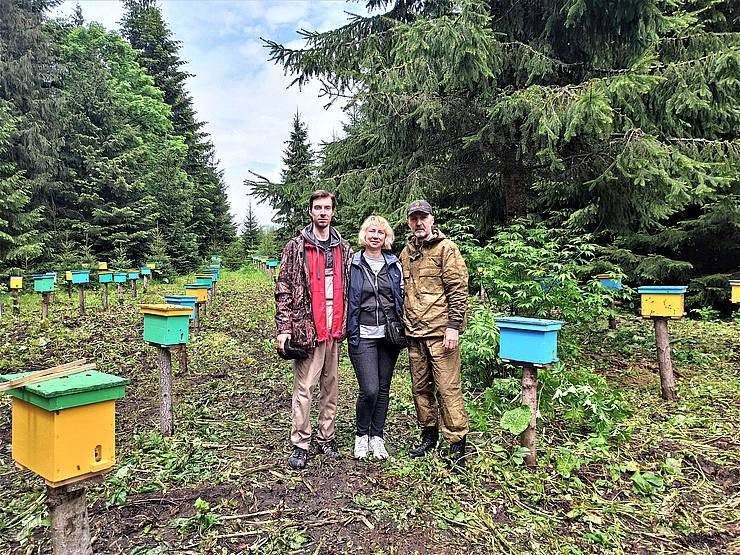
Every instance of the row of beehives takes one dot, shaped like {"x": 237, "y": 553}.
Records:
{"x": 46, "y": 283}
{"x": 47, "y": 417}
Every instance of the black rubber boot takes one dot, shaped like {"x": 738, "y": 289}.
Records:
{"x": 457, "y": 454}
{"x": 429, "y": 439}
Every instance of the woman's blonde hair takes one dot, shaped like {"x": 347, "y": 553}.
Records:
{"x": 381, "y": 222}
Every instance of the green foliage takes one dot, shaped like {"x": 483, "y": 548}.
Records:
{"x": 516, "y": 420}
{"x": 531, "y": 270}
{"x": 617, "y": 119}
{"x": 268, "y": 243}
{"x": 250, "y": 231}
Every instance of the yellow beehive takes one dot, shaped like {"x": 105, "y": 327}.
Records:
{"x": 68, "y": 275}
{"x": 201, "y": 293}
{"x": 662, "y": 301}
{"x": 16, "y": 282}
{"x": 151, "y": 265}
{"x": 102, "y": 265}
{"x": 65, "y": 430}
{"x": 735, "y": 284}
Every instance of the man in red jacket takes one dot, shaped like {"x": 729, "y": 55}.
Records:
{"x": 311, "y": 313}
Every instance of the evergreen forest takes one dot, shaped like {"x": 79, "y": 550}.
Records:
{"x": 102, "y": 156}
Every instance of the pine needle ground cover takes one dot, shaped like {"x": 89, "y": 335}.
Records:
{"x": 663, "y": 478}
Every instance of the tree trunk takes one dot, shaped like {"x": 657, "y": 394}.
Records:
{"x": 16, "y": 301}
{"x": 70, "y": 529}
{"x": 665, "y": 366}
{"x": 165, "y": 390}
{"x": 528, "y": 438}
{"x": 82, "y": 300}
{"x": 105, "y": 296}
{"x": 514, "y": 185}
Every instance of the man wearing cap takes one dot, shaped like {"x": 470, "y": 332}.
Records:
{"x": 435, "y": 311}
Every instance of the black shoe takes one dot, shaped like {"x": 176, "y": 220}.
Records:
{"x": 330, "y": 449}
{"x": 429, "y": 439}
{"x": 456, "y": 454}
{"x": 297, "y": 460}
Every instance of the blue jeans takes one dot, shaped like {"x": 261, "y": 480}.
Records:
{"x": 374, "y": 361}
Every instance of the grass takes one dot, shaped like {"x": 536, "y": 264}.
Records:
{"x": 661, "y": 478}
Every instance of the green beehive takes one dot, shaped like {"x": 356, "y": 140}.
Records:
{"x": 166, "y": 324}
{"x": 43, "y": 283}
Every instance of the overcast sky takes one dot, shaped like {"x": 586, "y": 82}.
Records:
{"x": 242, "y": 97}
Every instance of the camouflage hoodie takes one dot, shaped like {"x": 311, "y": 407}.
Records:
{"x": 293, "y": 311}
{"x": 436, "y": 281}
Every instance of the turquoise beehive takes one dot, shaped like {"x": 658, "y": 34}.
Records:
{"x": 119, "y": 277}
{"x": 80, "y": 277}
{"x": 145, "y": 271}
{"x": 43, "y": 283}
{"x": 183, "y": 300}
{"x": 531, "y": 340}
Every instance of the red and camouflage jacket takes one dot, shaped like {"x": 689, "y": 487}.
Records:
{"x": 293, "y": 312}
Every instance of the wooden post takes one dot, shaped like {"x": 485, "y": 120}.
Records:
{"x": 16, "y": 301}
{"x": 210, "y": 296}
{"x": 528, "y": 438}
{"x": 204, "y": 307}
{"x": 665, "y": 366}
{"x": 214, "y": 289}
{"x": 146, "y": 283}
{"x": 196, "y": 320}
{"x": 82, "y": 300}
{"x": 105, "y": 296}
{"x": 70, "y": 527}
{"x": 183, "y": 352}
{"x": 120, "y": 293}
{"x": 612, "y": 319}
{"x": 69, "y": 289}
{"x": 1, "y": 310}
{"x": 482, "y": 292}
{"x": 164, "y": 358}
{"x": 133, "y": 288}
{"x": 44, "y": 307}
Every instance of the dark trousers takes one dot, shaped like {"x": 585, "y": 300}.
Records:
{"x": 374, "y": 361}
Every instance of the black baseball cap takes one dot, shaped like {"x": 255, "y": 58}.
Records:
{"x": 419, "y": 206}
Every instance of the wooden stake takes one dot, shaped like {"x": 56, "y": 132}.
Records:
{"x": 482, "y": 293}
{"x": 210, "y": 296}
{"x": 612, "y": 319}
{"x": 528, "y": 438}
{"x": 146, "y": 283}
{"x": 133, "y": 288}
{"x": 82, "y": 300}
{"x": 16, "y": 301}
{"x": 1, "y": 310}
{"x": 164, "y": 358}
{"x": 196, "y": 320}
{"x": 70, "y": 527}
{"x": 665, "y": 366}
{"x": 105, "y": 296}
{"x": 44, "y": 307}
{"x": 69, "y": 289}
{"x": 183, "y": 352}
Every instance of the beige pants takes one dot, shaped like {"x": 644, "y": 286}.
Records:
{"x": 435, "y": 376}
{"x": 322, "y": 367}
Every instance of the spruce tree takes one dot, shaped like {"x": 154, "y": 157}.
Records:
{"x": 250, "y": 231}
{"x": 289, "y": 198}
{"x": 613, "y": 117}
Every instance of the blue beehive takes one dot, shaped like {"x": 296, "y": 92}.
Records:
{"x": 272, "y": 263}
{"x": 105, "y": 277}
{"x": 119, "y": 277}
{"x": 609, "y": 282}
{"x": 133, "y": 276}
{"x": 528, "y": 339}
{"x": 80, "y": 277}
{"x": 145, "y": 271}
{"x": 547, "y": 282}
{"x": 183, "y": 300}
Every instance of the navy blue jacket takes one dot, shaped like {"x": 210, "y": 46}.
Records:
{"x": 356, "y": 275}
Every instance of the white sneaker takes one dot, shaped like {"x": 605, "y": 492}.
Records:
{"x": 377, "y": 446}
{"x": 361, "y": 447}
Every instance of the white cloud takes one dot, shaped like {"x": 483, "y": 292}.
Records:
{"x": 243, "y": 97}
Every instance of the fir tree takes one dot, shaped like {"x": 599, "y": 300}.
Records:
{"x": 290, "y": 197}
{"x": 250, "y": 231}
{"x": 612, "y": 117}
